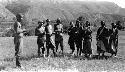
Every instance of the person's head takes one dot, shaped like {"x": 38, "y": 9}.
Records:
{"x": 77, "y": 23}
{"x": 113, "y": 25}
{"x": 119, "y": 25}
{"x": 87, "y": 23}
{"x": 117, "y": 22}
{"x": 40, "y": 23}
{"x": 102, "y": 23}
{"x": 47, "y": 21}
{"x": 19, "y": 17}
{"x": 72, "y": 24}
{"x": 58, "y": 21}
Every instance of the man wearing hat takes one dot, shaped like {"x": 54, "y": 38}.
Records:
{"x": 40, "y": 32}
{"x": 18, "y": 38}
{"x": 102, "y": 34}
{"x": 58, "y": 29}
{"x": 49, "y": 39}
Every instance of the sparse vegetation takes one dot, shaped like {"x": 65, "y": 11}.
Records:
{"x": 30, "y": 62}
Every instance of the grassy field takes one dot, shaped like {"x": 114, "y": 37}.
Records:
{"x": 30, "y": 62}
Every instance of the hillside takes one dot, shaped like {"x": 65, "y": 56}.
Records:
{"x": 5, "y": 14}
{"x": 66, "y": 10}
{"x": 53, "y": 9}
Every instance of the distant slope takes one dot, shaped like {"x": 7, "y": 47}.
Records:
{"x": 65, "y": 10}
{"x": 5, "y": 14}
{"x": 35, "y": 10}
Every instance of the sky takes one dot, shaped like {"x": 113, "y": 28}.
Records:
{"x": 121, "y": 3}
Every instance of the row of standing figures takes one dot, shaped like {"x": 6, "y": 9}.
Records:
{"x": 107, "y": 39}
{"x": 79, "y": 37}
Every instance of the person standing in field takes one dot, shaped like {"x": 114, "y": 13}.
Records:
{"x": 87, "y": 40}
{"x": 101, "y": 37}
{"x": 78, "y": 37}
{"x": 71, "y": 41}
{"x": 49, "y": 39}
{"x": 40, "y": 32}
{"x": 113, "y": 32}
{"x": 18, "y": 38}
{"x": 58, "y": 29}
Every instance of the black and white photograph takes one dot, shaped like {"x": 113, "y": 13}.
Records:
{"x": 62, "y": 35}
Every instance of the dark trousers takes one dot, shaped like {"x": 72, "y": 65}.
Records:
{"x": 18, "y": 41}
{"x": 113, "y": 41}
{"x": 71, "y": 43}
{"x": 41, "y": 45}
{"x": 59, "y": 41}
{"x": 87, "y": 46}
{"x": 17, "y": 50}
{"x": 79, "y": 46}
{"x": 57, "y": 44}
{"x": 50, "y": 44}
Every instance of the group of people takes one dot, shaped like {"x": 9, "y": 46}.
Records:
{"x": 79, "y": 37}
{"x": 107, "y": 39}
{"x": 44, "y": 31}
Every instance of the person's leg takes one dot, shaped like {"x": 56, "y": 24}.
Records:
{"x": 47, "y": 47}
{"x": 85, "y": 48}
{"x": 56, "y": 44}
{"x": 80, "y": 47}
{"x": 17, "y": 62}
{"x": 39, "y": 50}
{"x": 77, "y": 46}
{"x": 72, "y": 47}
{"x": 53, "y": 47}
{"x": 47, "y": 51}
{"x": 61, "y": 45}
{"x": 17, "y": 54}
{"x": 43, "y": 51}
{"x": 89, "y": 48}
{"x": 43, "y": 48}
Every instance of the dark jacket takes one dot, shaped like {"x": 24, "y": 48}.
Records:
{"x": 102, "y": 32}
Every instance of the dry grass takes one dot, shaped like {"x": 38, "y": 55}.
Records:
{"x": 30, "y": 62}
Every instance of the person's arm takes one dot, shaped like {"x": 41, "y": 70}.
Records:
{"x": 97, "y": 35}
{"x": 36, "y": 32}
{"x": 62, "y": 29}
{"x": 55, "y": 29}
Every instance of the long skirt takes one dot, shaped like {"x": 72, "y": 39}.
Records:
{"x": 87, "y": 46}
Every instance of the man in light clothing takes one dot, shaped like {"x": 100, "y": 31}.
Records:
{"x": 49, "y": 40}
{"x": 18, "y": 38}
